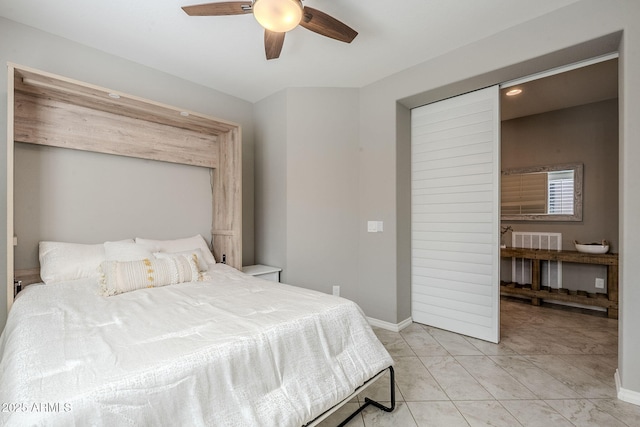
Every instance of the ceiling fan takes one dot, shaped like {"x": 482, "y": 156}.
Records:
{"x": 277, "y": 17}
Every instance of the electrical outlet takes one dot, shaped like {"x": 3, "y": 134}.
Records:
{"x": 599, "y": 283}
{"x": 336, "y": 290}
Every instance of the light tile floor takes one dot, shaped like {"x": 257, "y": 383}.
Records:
{"x": 553, "y": 367}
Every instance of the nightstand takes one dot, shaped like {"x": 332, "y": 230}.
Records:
{"x": 263, "y": 271}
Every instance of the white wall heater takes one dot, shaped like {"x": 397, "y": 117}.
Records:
{"x": 551, "y": 271}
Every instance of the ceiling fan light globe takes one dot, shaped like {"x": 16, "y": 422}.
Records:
{"x": 278, "y": 16}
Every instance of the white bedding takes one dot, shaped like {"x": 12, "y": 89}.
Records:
{"x": 235, "y": 350}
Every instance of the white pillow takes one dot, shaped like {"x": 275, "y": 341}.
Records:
{"x": 196, "y": 254}
{"x": 118, "y": 277}
{"x": 179, "y": 245}
{"x": 125, "y": 251}
{"x": 62, "y": 262}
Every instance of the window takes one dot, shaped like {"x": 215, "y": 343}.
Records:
{"x": 560, "y": 193}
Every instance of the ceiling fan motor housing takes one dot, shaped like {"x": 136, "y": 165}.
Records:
{"x": 278, "y": 16}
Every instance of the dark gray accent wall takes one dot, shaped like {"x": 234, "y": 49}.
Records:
{"x": 587, "y": 134}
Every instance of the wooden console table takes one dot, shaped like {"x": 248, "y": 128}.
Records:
{"x": 538, "y": 293}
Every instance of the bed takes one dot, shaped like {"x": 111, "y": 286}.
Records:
{"x": 229, "y": 350}
{"x": 225, "y": 349}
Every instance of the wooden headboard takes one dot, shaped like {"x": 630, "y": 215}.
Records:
{"x": 101, "y": 120}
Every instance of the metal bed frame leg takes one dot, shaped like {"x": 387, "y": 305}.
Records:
{"x": 378, "y": 405}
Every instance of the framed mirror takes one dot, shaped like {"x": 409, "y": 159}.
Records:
{"x": 542, "y": 193}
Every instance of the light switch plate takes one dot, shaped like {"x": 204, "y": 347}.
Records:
{"x": 374, "y": 226}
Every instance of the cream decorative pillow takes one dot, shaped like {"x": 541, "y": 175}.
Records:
{"x": 179, "y": 245}
{"x": 196, "y": 254}
{"x": 118, "y": 277}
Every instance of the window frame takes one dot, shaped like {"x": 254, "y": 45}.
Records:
{"x": 577, "y": 169}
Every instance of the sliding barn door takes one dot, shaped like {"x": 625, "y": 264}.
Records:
{"x": 455, "y": 181}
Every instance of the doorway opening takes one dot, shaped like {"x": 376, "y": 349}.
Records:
{"x": 573, "y": 125}
{"x": 569, "y": 117}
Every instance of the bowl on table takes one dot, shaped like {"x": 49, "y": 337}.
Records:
{"x": 592, "y": 248}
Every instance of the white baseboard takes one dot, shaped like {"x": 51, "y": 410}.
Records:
{"x": 625, "y": 395}
{"x": 393, "y": 327}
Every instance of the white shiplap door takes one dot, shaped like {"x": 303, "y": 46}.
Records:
{"x": 455, "y": 183}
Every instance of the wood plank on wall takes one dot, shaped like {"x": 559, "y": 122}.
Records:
{"x": 227, "y": 205}
{"x": 54, "y": 123}
{"x": 45, "y": 85}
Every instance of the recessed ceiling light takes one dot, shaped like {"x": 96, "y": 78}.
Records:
{"x": 114, "y": 96}
{"x": 514, "y": 92}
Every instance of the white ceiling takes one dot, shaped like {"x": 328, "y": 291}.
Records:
{"x": 227, "y": 54}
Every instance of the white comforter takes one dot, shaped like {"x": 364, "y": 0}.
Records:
{"x": 235, "y": 350}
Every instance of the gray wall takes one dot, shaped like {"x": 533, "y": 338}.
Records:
{"x": 74, "y": 196}
{"x": 306, "y": 203}
{"x": 587, "y": 134}
{"x": 322, "y": 212}
{"x": 26, "y": 46}
{"x": 271, "y": 181}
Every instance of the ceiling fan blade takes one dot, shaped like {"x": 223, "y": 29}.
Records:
{"x": 273, "y": 44}
{"x": 321, "y": 23}
{"x": 219, "y": 9}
